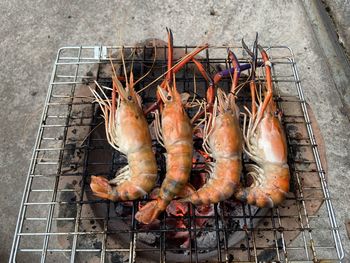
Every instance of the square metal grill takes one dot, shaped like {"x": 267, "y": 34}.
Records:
{"x": 60, "y": 220}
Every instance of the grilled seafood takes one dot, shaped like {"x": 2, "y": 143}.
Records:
{"x": 176, "y": 135}
{"x": 127, "y": 131}
{"x": 174, "y": 132}
{"x": 223, "y": 142}
{"x": 265, "y": 144}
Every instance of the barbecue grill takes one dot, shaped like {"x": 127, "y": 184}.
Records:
{"x": 60, "y": 220}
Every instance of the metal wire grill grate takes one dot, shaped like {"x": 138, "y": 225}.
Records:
{"x": 60, "y": 220}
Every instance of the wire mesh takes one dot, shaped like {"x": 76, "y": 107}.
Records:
{"x": 60, "y": 220}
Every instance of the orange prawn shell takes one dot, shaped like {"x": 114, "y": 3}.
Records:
{"x": 131, "y": 127}
{"x": 226, "y": 136}
{"x": 225, "y": 146}
{"x": 271, "y": 140}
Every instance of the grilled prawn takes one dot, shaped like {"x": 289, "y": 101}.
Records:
{"x": 176, "y": 133}
{"x": 127, "y": 131}
{"x": 222, "y": 142}
{"x": 265, "y": 144}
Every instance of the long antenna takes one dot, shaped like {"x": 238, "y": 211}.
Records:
{"x": 124, "y": 67}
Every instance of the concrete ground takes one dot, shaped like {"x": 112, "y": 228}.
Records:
{"x": 339, "y": 11}
{"x": 31, "y": 34}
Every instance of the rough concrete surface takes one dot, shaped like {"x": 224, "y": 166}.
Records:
{"x": 323, "y": 26}
{"x": 339, "y": 11}
{"x": 31, "y": 34}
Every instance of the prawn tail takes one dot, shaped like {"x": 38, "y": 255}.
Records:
{"x": 100, "y": 187}
{"x": 269, "y": 194}
{"x": 211, "y": 193}
{"x": 202, "y": 196}
{"x": 150, "y": 212}
{"x": 258, "y": 197}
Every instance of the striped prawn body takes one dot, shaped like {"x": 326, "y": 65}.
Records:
{"x": 176, "y": 133}
{"x": 223, "y": 142}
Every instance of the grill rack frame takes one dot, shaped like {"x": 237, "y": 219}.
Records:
{"x": 100, "y": 57}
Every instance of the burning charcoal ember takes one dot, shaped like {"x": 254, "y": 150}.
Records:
{"x": 176, "y": 208}
{"x": 204, "y": 210}
{"x": 179, "y": 233}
